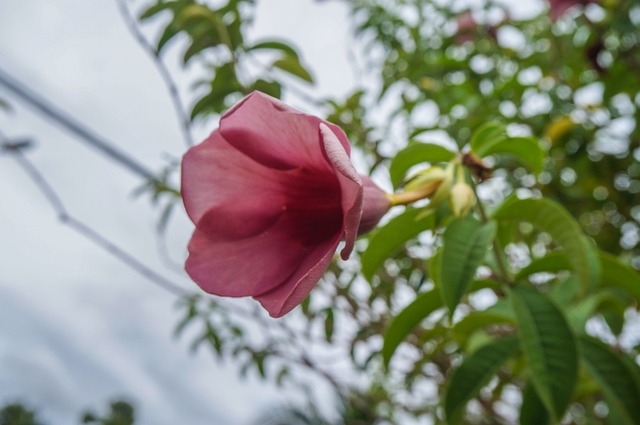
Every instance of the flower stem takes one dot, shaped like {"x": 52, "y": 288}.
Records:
{"x": 497, "y": 248}
{"x": 406, "y": 198}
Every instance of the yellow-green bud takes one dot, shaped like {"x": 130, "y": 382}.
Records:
{"x": 462, "y": 199}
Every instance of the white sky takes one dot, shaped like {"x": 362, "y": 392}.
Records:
{"x": 77, "y": 327}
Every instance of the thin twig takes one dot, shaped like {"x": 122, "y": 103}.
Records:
{"x": 130, "y": 22}
{"x": 497, "y": 248}
{"x": 58, "y": 206}
{"x": 74, "y": 126}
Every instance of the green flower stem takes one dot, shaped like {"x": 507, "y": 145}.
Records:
{"x": 505, "y": 276}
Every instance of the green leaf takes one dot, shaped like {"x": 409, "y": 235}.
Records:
{"x": 275, "y": 45}
{"x": 486, "y": 137}
{"x": 392, "y": 236}
{"x": 617, "y": 376}
{"x": 465, "y": 246}
{"x": 329, "y": 324}
{"x": 551, "y": 217}
{"x": 580, "y": 312}
{"x": 271, "y": 88}
{"x": 405, "y": 321}
{"x": 474, "y": 373}
{"x": 532, "y": 411}
{"x": 526, "y": 150}
{"x": 435, "y": 267}
{"x": 552, "y": 262}
{"x": 202, "y": 38}
{"x": 202, "y": 17}
{"x": 565, "y": 290}
{"x": 414, "y": 154}
{"x": 223, "y": 84}
{"x": 549, "y": 347}
{"x": 476, "y": 321}
{"x": 292, "y": 65}
{"x": 155, "y": 9}
{"x": 170, "y": 31}
{"x": 619, "y": 275}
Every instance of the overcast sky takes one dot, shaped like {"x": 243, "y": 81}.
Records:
{"x": 78, "y": 327}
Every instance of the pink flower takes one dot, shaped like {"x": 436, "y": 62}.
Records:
{"x": 470, "y": 30}
{"x": 559, "y": 7}
{"x": 272, "y": 192}
{"x": 467, "y": 27}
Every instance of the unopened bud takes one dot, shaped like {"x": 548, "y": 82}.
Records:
{"x": 462, "y": 199}
{"x": 432, "y": 176}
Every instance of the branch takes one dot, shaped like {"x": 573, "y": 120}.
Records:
{"x": 56, "y": 203}
{"x": 130, "y": 22}
{"x": 74, "y": 126}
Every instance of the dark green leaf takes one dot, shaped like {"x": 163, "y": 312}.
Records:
{"x": 486, "y": 137}
{"x": 169, "y": 32}
{"x": 617, "y": 376}
{"x": 414, "y": 154}
{"x": 392, "y": 236}
{"x": 476, "y": 321}
{"x": 465, "y": 246}
{"x": 526, "y": 150}
{"x": 474, "y": 373}
{"x": 329, "y": 325}
{"x": 552, "y": 262}
{"x": 292, "y": 65}
{"x": 565, "y": 290}
{"x": 549, "y": 347}
{"x": 617, "y": 274}
{"x": 275, "y": 45}
{"x": 154, "y": 10}
{"x": 405, "y": 321}
{"x": 532, "y": 411}
{"x": 271, "y": 88}
{"x": 551, "y": 217}
{"x": 580, "y": 312}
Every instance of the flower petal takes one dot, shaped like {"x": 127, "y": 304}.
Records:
{"x": 228, "y": 193}
{"x": 284, "y": 298}
{"x": 350, "y": 186}
{"x": 243, "y": 267}
{"x": 273, "y": 133}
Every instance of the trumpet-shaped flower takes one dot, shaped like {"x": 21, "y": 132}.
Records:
{"x": 272, "y": 193}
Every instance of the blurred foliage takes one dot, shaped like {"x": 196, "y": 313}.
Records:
{"x": 216, "y": 40}
{"x": 120, "y": 413}
{"x": 18, "y": 414}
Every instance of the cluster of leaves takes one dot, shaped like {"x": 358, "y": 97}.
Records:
{"x": 120, "y": 413}
{"x": 537, "y": 75}
{"x": 531, "y": 333}
{"x": 216, "y": 40}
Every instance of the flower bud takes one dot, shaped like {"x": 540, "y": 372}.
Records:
{"x": 462, "y": 199}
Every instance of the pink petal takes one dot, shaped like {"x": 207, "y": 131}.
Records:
{"x": 310, "y": 216}
{"x": 286, "y": 297}
{"x": 350, "y": 186}
{"x": 239, "y": 196}
{"x": 243, "y": 267}
{"x": 273, "y": 133}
